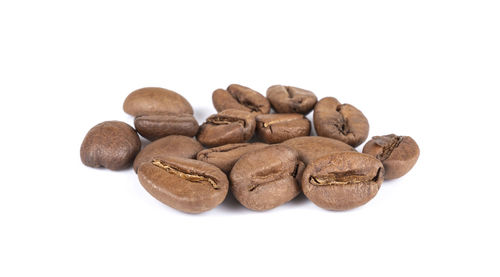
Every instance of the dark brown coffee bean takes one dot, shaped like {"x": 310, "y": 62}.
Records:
{"x": 154, "y": 127}
{"x": 149, "y": 101}
{"x": 398, "y": 154}
{"x": 286, "y": 99}
{"x": 229, "y": 126}
{"x": 340, "y": 121}
{"x": 343, "y": 180}
{"x": 110, "y": 144}
{"x": 275, "y": 128}
{"x": 267, "y": 178}
{"x": 187, "y": 185}
{"x": 224, "y": 157}
{"x": 178, "y": 146}
{"x": 240, "y": 98}
{"x": 312, "y": 148}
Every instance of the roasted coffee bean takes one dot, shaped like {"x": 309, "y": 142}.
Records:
{"x": 340, "y": 121}
{"x": 224, "y": 157}
{"x": 149, "y": 101}
{"x": 343, "y": 180}
{"x": 267, "y": 178}
{"x": 110, "y": 144}
{"x": 286, "y": 99}
{"x": 398, "y": 154}
{"x": 274, "y": 128}
{"x": 178, "y": 146}
{"x": 229, "y": 126}
{"x": 312, "y": 148}
{"x": 154, "y": 127}
{"x": 240, "y": 98}
{"x": 187, "y": 185}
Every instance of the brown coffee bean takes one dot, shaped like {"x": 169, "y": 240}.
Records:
{"x": 312, "y": 148}
{"x": 151, "y": 100}
{"x": 187, "y": 185}
{"x": 266, "y": 178}
{"x": 153, "y": 127}
{"x": 286, "y": 99}
{"x": 343, "y": 180}
{"x": 178, "y": 146}
{"x": 110, "y": 144}
{"x": 240, "y": 98}
{"x": 398, "y": 154}
{"x": 229, "y": 126}
{"x": 224, "y": 157}
{"x": 340, "y": 121}
{"x": 275, "y": 128}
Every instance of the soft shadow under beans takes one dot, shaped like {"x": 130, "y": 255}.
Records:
{"x": 231, "y": 204}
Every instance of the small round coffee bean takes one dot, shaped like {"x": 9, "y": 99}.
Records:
{"x": 275, "y": 128}
{"x": 340, "y": 121}
{"x": 343, "y": 180}
{"x": 178, "y": 146}
{"x": 398, "y": 154}
{"x": 187, "y": 185}
{"x": 312, "y": 148}
{"x": 287, "y": 99}
{"x": 240, "y": 98}
{"x": 228, "y": 126}
{"x": 110, "y": 144}
{"x": 151, "y": 100}
{"x": 266, "y": 178}
{"x": 224, "y": 157}
{"x": 153, "y": 127}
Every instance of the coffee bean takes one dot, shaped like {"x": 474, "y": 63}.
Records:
{"x": 110, "y": 144}
{"x": 149, "y": 101}
{"x": 154, "y": 127}
{"x": 286, "y": 99}
{"x": 224, "y": 157}
{"x": 343, "y": 180}
{"x": 266, "y": 178}
{"x": 340, "y": 121}
{"x": 274, "y": 128}
{"x": 178, "y": 146}
{"x": 312, "y": 148}
{"x": 240, "y": 98}
{"x": 228, "y": 126}
{"x": 187, "y": 185}
{"x": 398, "y": 154}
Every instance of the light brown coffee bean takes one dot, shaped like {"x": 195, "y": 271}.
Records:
{"x": 343, "y": 180}
{"x": 266, "y": 178}
{"x": 287, "y": 99}
{"x": 179, "y": 146}
{"x": 312, "y": 148}
{"x": 110, "y": 144}
{"x": 228, "y": 126}
{"x": 151, "y": 100}
{"x": 340, "y": 121}
{"x": 398, "y": 154}
{"x": 187, "y": 185}
{"x": 153, "y": 127}
{"x": 224, "y": 157}
{"x": 275, "y": 128}
{"x": 240, "y": 98}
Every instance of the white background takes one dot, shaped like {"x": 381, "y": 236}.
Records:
{"x": 428, "y": 69}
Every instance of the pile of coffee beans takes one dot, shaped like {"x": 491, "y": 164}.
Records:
{"x": 191, "y": 168}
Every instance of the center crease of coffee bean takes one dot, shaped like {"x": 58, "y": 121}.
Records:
{"x": 267, "y": 124}
{"x": 187, "y": 176}
{"x": 226, "y": 121}
{"x": 343, "y": 178}
{"x": 245, "y": 103}
{"x": 389, "y": 148}
{"x": 277, "y": 177}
